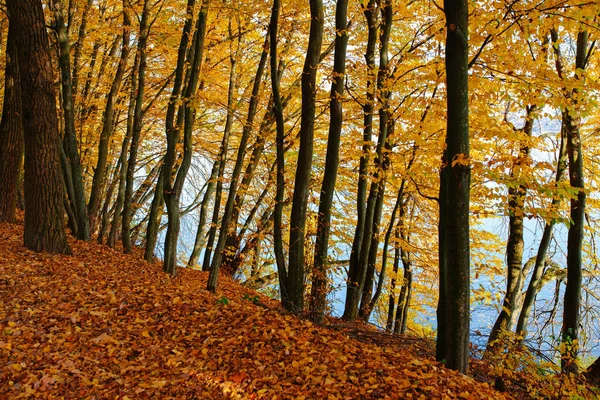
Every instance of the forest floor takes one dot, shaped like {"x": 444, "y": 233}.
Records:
{"x": 103, "y": 325}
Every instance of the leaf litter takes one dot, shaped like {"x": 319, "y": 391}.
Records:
{"x": 104, "y": 325}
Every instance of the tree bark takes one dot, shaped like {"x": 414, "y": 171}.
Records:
{"x": 280, "y": 137}
{"x": 44, "y": 192}
{"x": 128, "y": 207}
{"x": 455, "y": 178}
{"x": 11, "y": 132}
{"x": 108, "y": 124}
{"x": 319, "y": 283}
{"x": 235, "y": 176}
{"x": 222, "y": 158}
{"x": 70, "y": 135}
{"x": 572, "y": 299}
{"x": 370, "y": 12}
{"x": 515, "y": 242}
{"x": 304, "y": 165}
{"x": 355, "y": 288}
{"x": 172, "y": 189}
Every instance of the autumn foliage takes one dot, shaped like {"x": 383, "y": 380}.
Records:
{"x": 100, "y": 324}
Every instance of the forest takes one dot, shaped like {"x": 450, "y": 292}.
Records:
{"x": 427, "y": 168}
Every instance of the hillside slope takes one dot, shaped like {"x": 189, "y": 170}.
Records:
{"x": 100, "y": 324}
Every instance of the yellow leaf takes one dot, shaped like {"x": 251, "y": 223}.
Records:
{"x": 159, "y": 384}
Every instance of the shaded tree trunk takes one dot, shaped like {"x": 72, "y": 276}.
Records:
{"x": 280, "y": 186}
{"x": 355, "y": 288}
{"x": 70, "y": 136}
{"x": 11, "y": 132}
{"x": 572, "y": 299}
{"x": 515, "y": 243}
{"x": 540, "y": 260}
{"x": 455, "y": 176}
{"x": 235, "y": 176}
{"x": 371, "y": 15}
{"x": 128, "y": 206}
{"x": 44, "y": 191}
{"x": 295, "y": 286}
{"x": 222, "y": 158}
{"x": 172, "y": 190}
{"x": 108, "y": 124}
{"x": 319, "y": 283}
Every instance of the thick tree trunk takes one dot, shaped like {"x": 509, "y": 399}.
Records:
{"x": 319, "y": 283}
{"x": 11, "y": 132}
{"x": 455, "y": 178}
{"x": 70, "y": 135}
{"x": 44, "y": 191}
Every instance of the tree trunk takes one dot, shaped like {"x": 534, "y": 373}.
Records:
{"x": 172, "y": 190}
{"x": 70, "y": 135}
{"x": 355, "y": 288}
{"x": 371, "y": 15}
{"x": 235, "y": 176}
{"x": 540, "y": 260}
{"x": 319, "y": 283}
{"x": 44, "y": 191}
{"x": 515, "y": 243}
{"x": 222, "y": 158}
{"x": 572, "y": 299}
{"x": 304, "y": 165}
{"x": 108, "y": 124}
{"x": 11, "y": 132}
{"x": 455, "y": 178}
{"x": 592, "y": 373}
{"x": 128, "y": 207}
{"x": 392, "y": 299}
{"x": 280, "y": 190}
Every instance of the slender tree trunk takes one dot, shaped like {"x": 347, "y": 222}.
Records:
{"x": 200, "y": 236}
{"x": 128, "y": 207}
{"x": 455, "y": 178}
{"x": 278, "y": 113}
{"x": 11, "y": 132}
{"x": 400, "y": 204}
{"x": 44, "y": 191}
{"x": 304, "y": 165}
{"x": 120, "y": 202}
{"x": 355, "y": 288}
{"x": 572, "y": 299}
{"x": 515, "y": 242}
{"x": 319, "y": 283}
{"x": 371, "y": 15}
{"x": 105, "y": 220}
{"x": 222, "y": 160}
{"x": 78, "y": 48}
{"x": 540, "y": 260}
{"x": 108, "y": 124}
{"x": 172, "y": 190}
{"x": 392, "y": 299}
{"x": 71, "y": 150}
{"x": 235, "y": 176}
